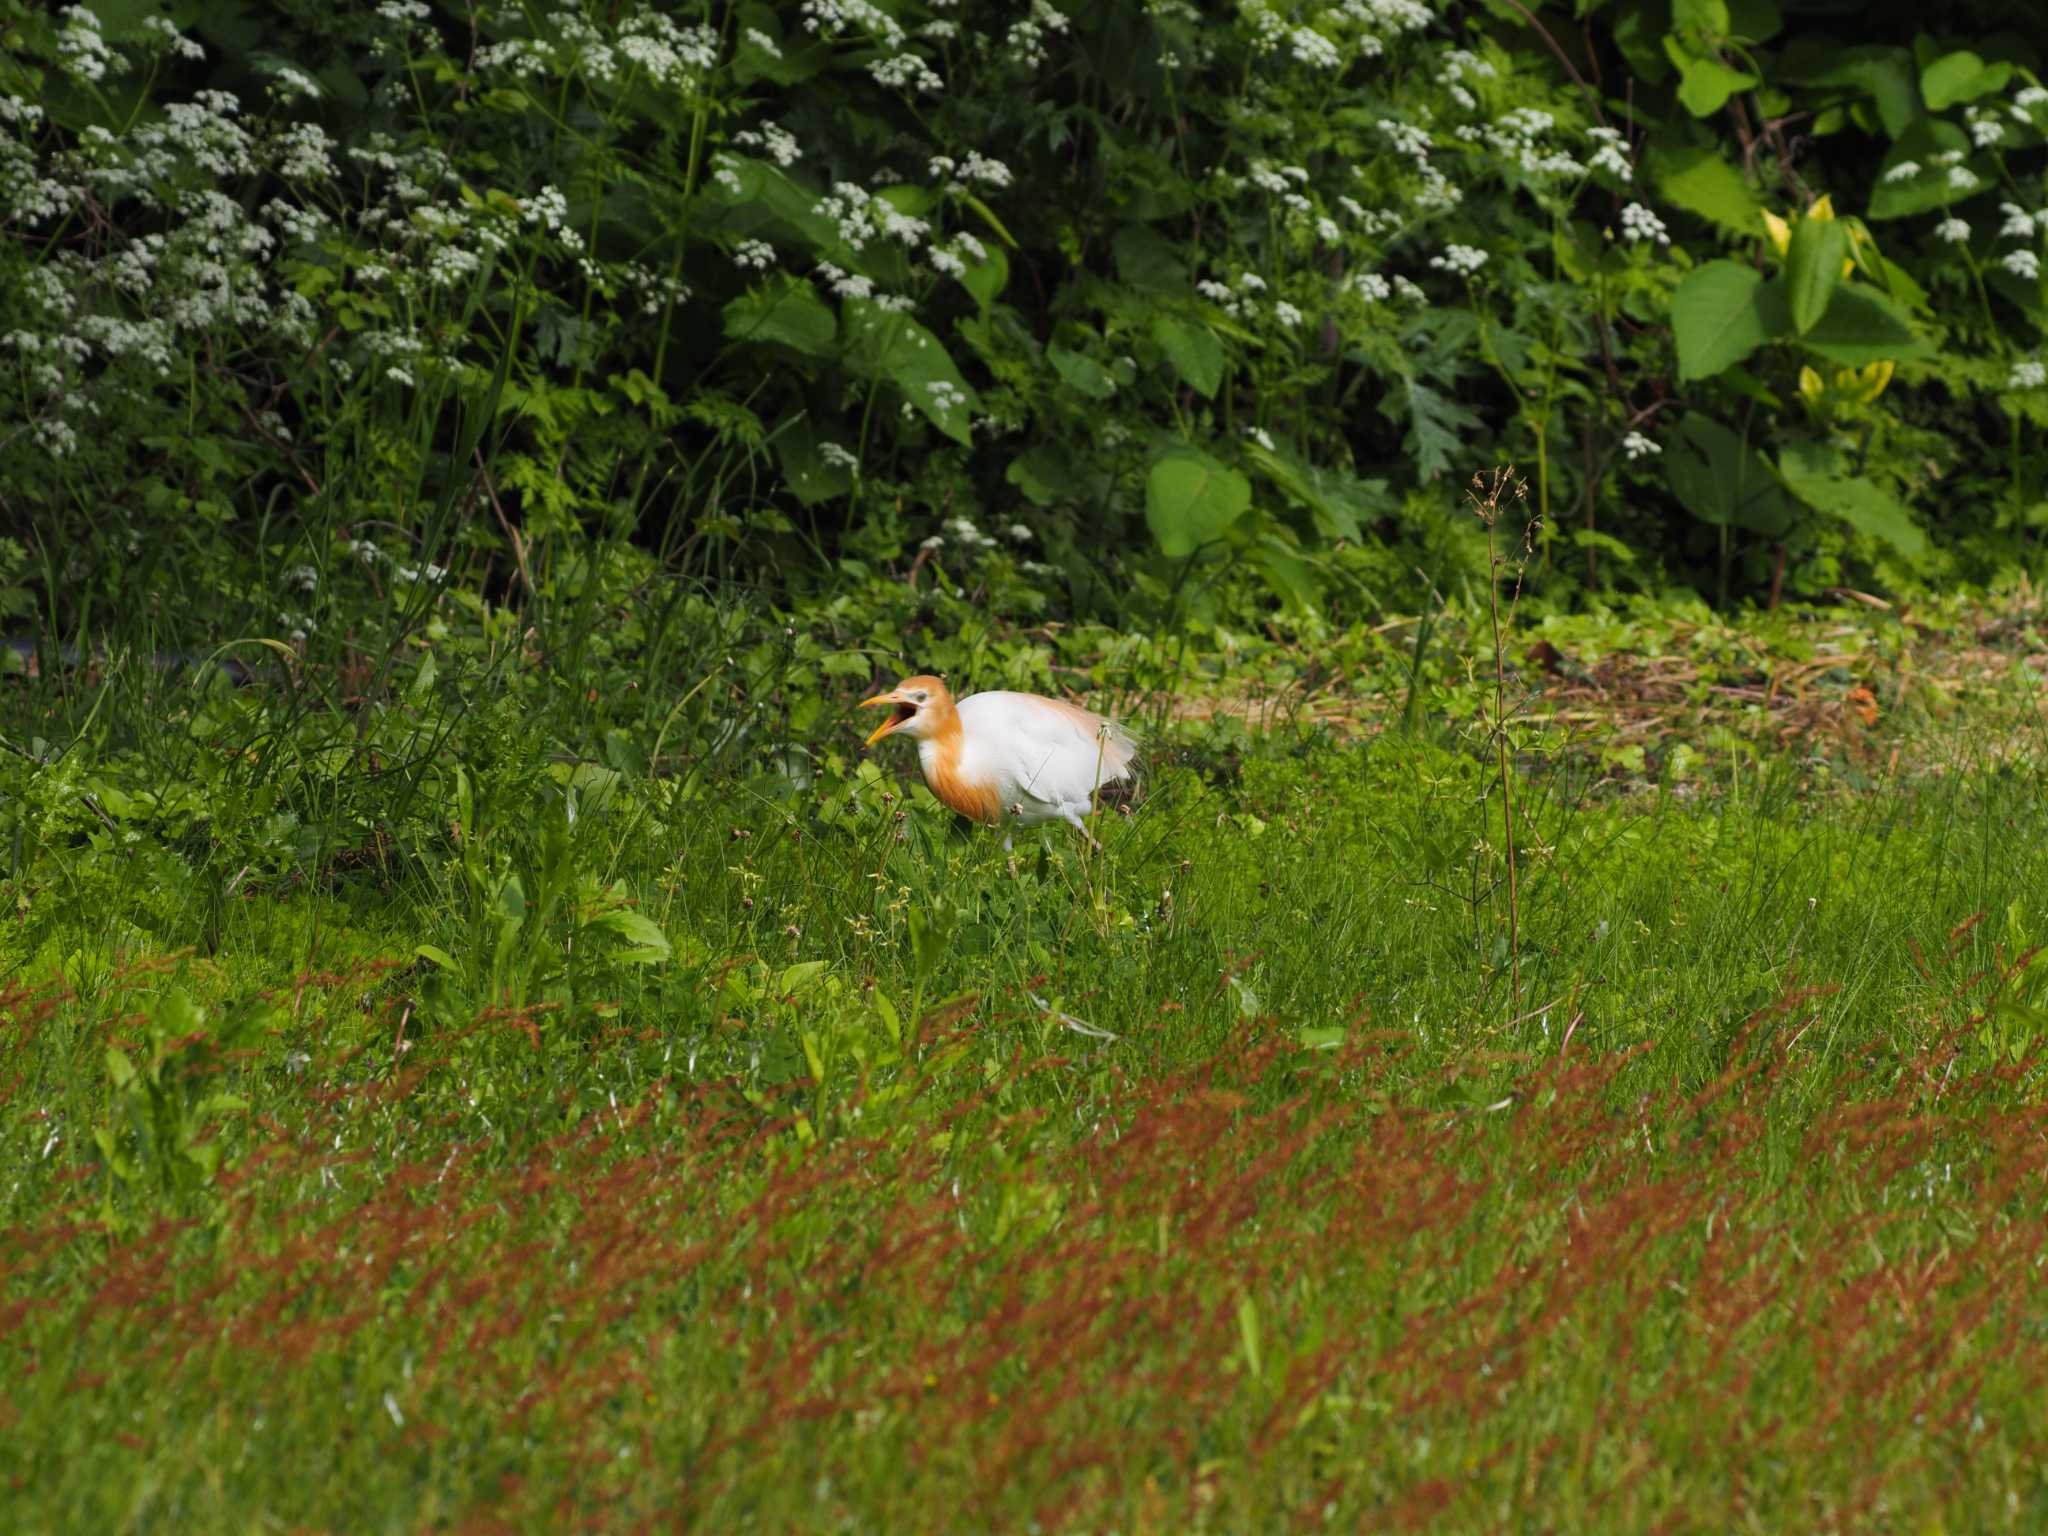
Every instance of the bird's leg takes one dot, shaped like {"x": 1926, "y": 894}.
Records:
{"x": 1081, "y": 827}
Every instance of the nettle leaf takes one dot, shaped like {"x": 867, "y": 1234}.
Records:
{"x": 1197, "y": 356}
{"x": 785, "y": 310}
{"x": 1191, "y": 498}
{"x": 882, "y": 344}
{"x": 1714, "y": 318}
{"x": 1813, "y": 268}
{"x": 1701, "y": 182}
{"x": 1081, "y": 373}
{"x": 1817, "y": 476}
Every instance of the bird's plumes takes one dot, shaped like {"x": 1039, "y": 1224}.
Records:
{"x": 1001, "y": 757}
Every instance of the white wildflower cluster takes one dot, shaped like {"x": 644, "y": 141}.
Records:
{"x": 1952, "y": 230}
{"x": 1436, "y": 193}
{"x": 172, "y": 41}
{"x": 839, "y": 457}
{"x": 1611, "y": 154}
{"x": 175, "y": 261}
{"x": 2023, "y": 264}
{"x": 755, "y": 255}
{"x": 1463, "y": 260}
{"x": 968, "y": 535}
{"x": 1637, "y": 446}
{"x": 761, "y": 40}
{"x": 82, "y": 52}
{"x": 976, "y": 169}
{"x": 861, "y": 216}
{"x": 1517, "y": 137}
{"x": 1235, "y": 299}
{"x": 1286, "y": 314}
{"x": 1026, "y": 44}
{"x": 906, "y": 71}
{"x": 779, "y": 144}
{"x": 667, "y": 52}
{"x": 1310, "y": 47}
{"x": 2019, "y": 224}
{"x": 1639, "y": 223}
{"x": 1985, "y": 130}
{"x": 835, "y": 18}
{"x": 1366, "y": 24}
{"x": 847, "y": 285}
{"x": 1905, "y": 170}
{"x": 954, "y": 257}
{"x": 1458, "y": 65}
{"x": 898, "y": 67}
{"x": 646, "y": 44}
{"x": 289, "y": 84}
{"x": 2027, "y": 373}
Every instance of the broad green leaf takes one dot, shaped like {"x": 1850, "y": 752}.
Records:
{"x": 796, "y": 977}
{"x": 1707, "y": 17}
{"x": 1962, "y": 76}
{"x": 1081, "y": 373}
{"x": 1045, "y": 476}
{"x": 1817, "y": 477}
{"x": 637, "y": 929}
{"x": 1292, "y": 579}
{"x": 1196, "y": 354}
{"x": 437, "y": 955}
{"x": 1704, "y": 85}
{"x": 987, "y": 278}
{"x": 1191, "y": 499}
{"x": 1862, "y": 326}
{"x": 1813, "y": 268}
{"x": 1886, "y": 74}
{"x": 784, "y": 310}
{"x": 1720, "y": 479}
{"x": 1338, "y": 501}
{"x": 806, "y": 468}
{"x": 1701, "y": 182}
{"x": 1145, "y": 260}
{"x": 882, "y": 344}
{"x": 1714, "y": 318}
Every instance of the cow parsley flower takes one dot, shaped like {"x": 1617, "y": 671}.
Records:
{"x": 1639, "y": 223}
{"x": 2021, "y": 264}
{"x": 1461, "y": 259}
{"x": 1952, "y": 230}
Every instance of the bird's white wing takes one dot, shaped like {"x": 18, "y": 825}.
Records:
{"x": 1045, "y": 749}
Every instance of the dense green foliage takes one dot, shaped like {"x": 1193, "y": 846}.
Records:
{"x": 1144, "y": 302}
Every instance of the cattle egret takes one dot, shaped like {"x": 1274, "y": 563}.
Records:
{"x": 1001, "y": 757}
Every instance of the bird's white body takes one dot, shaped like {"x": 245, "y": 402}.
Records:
{"x": 1008, "y": 757}
{"x": 1044, "y": 758}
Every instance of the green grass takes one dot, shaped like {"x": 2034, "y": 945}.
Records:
{"x": 585, "y": 1147}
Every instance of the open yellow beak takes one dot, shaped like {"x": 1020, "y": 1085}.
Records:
{"x": 889, "y": 724}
